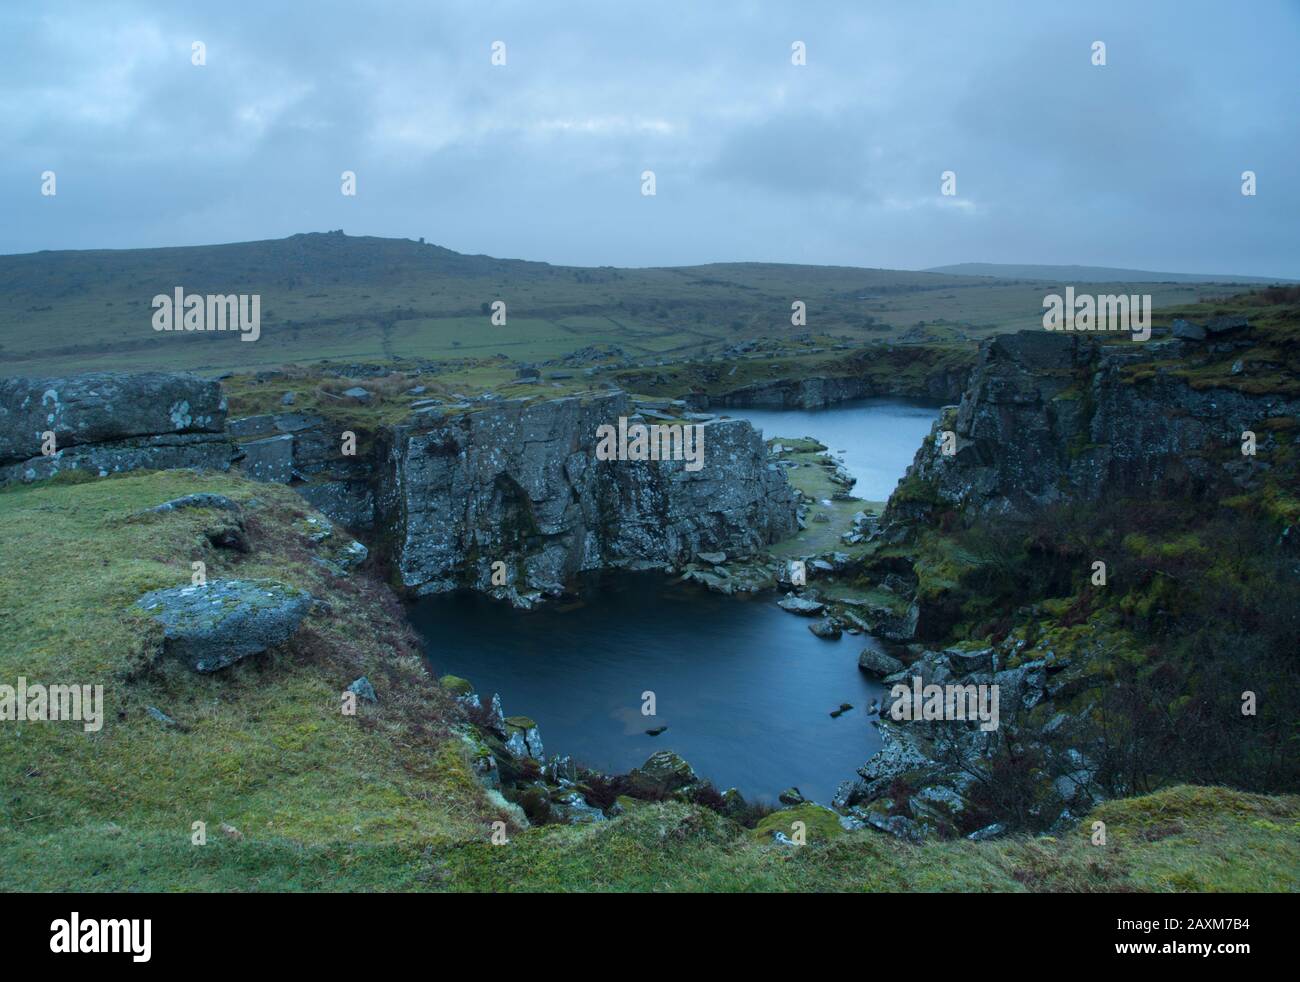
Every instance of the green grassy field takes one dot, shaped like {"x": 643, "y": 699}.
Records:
{"x": 359, "y": 299}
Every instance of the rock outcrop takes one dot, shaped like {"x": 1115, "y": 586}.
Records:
{"x": 519, "y": 483}
{"x": 1052, "y": 417}
{"x": 107, "y": 422}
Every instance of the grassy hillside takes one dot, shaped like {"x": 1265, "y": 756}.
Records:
{"x": 261, "y": 747}
{"x": 1089, "y": 274}
{"x": 327, "y": 295}
{"x": 385, "y": 800}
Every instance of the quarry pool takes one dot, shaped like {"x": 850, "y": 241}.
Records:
{"x": 744, "y": 689}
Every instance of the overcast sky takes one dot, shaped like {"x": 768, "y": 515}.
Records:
{"x": 1137, "y": 163}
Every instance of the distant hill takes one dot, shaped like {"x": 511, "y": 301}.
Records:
{"x": 326, "y": 295}
{"x": 1090, "y": 274}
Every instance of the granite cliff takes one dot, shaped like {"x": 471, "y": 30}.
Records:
{"x": 519, "y": 483}
{"x": 1053, "y": 418}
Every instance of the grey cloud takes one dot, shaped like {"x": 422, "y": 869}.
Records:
{"x": 1133, "y": 164}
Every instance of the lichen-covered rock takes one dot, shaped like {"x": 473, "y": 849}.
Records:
{"x": 202, "y": 500}
{"x": 523, "y": 739}
{"x": 212, "y": 626}
{"x": 307, "y": 449}
{"x": 225, "y": 531}
{"x": 988, "y": 832}
{"x": 571, "y": 807}
{"x": 269, "y": 459}
{"x": 900, "y": 751}
{"x": 102, "y": 408}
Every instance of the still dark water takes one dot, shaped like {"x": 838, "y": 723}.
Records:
{"x": 744, "y": 688}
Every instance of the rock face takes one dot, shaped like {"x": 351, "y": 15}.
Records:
{"x": 210, "y": 627}
{"x": 109, "y": 422}
{"x": 306, "y": 450}
{"x": 939, "y": 383}
{"x": 1051, "y": 417}
{"x": 520, "y": 484}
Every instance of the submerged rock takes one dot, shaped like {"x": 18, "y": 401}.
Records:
{"x": 213, "y": 626}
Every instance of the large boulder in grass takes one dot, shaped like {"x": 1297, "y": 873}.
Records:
{"x": 213, "y": 626}
{"x": 226, "y": 531}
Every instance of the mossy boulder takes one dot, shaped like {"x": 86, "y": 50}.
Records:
{"x": 819, "y": 824}
{"x": 212, "y": 626}
{"x": 663, "y": 773}
{"x": 456, "y": 685}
